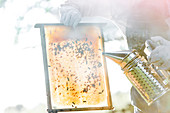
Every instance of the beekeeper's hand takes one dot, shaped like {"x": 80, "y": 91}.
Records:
{"x": 111, "y": 31}
{"x": 158, "y": 40}
{"x": 70, "y": 16}
{"x": 160, "y": 57}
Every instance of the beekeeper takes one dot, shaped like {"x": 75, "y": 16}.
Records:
{"x": 150, "y": 19}
{"x": 139, "y": 20}
{"x": 126, "y": 15}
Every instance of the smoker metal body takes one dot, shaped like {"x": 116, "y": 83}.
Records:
{"x": 141, "y": 74}
{"x": 50, "y": 107}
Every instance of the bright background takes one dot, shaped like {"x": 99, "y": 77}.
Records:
{"x": 22, "y": 81}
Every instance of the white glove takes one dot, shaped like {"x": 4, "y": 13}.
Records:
{"x": 160, "y": 57}
{"x": 112, "y": 31}
{"x": 70, "y": 16}
{"x": 158, "y": 40}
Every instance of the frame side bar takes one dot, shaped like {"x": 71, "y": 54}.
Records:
{"x": 43, "y": 44}
{"x": 109, "y": 98}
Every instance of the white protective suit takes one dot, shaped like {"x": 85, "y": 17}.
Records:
{"x": 73, "y": 10}
{"x": 138, "y": 19}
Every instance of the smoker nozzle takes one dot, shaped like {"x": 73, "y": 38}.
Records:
{"x": 123, "y": 58}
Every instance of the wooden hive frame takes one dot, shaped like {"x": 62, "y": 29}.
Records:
{"x": 47, "y": 80}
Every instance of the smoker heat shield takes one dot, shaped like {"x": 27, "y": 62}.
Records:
{"x": 75, "y": 70}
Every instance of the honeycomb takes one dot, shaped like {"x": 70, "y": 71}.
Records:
{"x": 76, "y": 69}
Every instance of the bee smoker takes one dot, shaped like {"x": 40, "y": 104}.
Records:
{"x": 144, "y": 77}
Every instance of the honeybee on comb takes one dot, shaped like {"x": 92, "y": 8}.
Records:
{"x": 76, "y": 70}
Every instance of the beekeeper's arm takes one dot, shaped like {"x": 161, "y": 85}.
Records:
{"x": 73, "y": 10}
{"x": 86, "y": 11}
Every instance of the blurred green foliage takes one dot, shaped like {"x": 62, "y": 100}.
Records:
{"x": 2, "y": 2}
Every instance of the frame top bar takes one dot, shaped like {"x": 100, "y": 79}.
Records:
{"x": 39, "y": 25}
